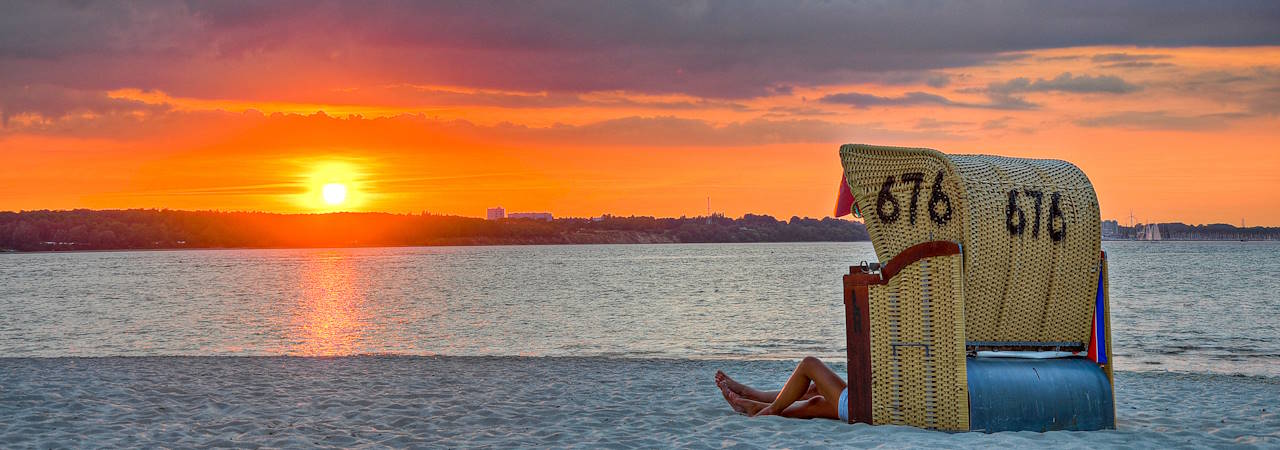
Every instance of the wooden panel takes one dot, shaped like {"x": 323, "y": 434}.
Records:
{"x": 858, "y": 341}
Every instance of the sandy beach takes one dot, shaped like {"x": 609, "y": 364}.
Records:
{"x": 399, "y": 401}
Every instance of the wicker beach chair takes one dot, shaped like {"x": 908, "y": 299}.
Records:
{"x": 984, "y": 256}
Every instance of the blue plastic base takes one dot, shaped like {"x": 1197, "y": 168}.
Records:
{"x": 1038, "y": 395}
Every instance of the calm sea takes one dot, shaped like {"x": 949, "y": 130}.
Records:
{"x": 1179, "y": 306}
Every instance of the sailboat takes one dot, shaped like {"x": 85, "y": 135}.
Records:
{"x": 1150, "y": 233}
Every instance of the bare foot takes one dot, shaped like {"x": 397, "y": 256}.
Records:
{"x": 736, "y": 387}
{"x": 767, "y": 410}
{"x": 729, "y": 397}
{"x": 749, "y": 407}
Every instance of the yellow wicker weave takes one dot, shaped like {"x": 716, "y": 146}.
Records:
{"x": 917, "y": 347}
{"x": 1029, "y": 229}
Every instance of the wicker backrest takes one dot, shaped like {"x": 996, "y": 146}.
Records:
{"x": 1029, "y": 229}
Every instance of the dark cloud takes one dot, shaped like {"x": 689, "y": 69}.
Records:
{"x": 306, "y": 132}
{"x": 61, "y": 29}
{"x": 1006, "y": 125}
{"x": 938, "y": 80}
{"x": 1126, "y": 57}
{"x": 1065, "y": 82}
{"x": 1004, "y": 100}
{"x": 864, "y": 100}
{"x": 1254, "y": 90}
{"x": 726, "y": 49}
{"x": 677, "y": 132}
{"x": 1161, "y": 120}
{"x": 1137, "y": 65}
{"x": 1268, "y": 103}
{"x": 1009, "y": 94}
{"x": 906, "y": 78}
{"x": 54, "y": 103}
{"x": 997, "y": 124}
{"x": 781, "y": 90}
{"x": 934, "y": 124}
{"x": 410, "y": 96}
{"x": 795, "y": 111}
{"x": 670, "y": 131}
{"x": 1130, "y": 61}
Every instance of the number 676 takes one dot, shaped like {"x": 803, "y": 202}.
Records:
{"x": 1056, "y": 223}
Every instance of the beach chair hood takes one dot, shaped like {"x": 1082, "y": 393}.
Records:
{"x": 1024, "y": 272}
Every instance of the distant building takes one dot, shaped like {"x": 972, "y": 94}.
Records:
{"x": 1110, "y": 228}
{"x": 495, "y": 213}
{"x": 531, "y": 215}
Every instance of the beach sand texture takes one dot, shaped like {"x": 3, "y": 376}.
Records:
{"x": 399, "y": 401}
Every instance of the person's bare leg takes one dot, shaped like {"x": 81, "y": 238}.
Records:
{"x": 730, "y": 396}
{"x": 745, "y": 405}
{"x": 814, "y": 408}
{"x": 770, "y": 396}
{"x": 809, "y": 370}
{"x": 723, "y": 380}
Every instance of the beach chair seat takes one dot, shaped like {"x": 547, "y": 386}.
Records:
{"x": 980, "y": 254}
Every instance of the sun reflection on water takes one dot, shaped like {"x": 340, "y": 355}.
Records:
{"x": 329, "y": 318}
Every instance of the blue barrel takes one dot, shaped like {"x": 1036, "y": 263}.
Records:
{"x": 1038, "y": 395}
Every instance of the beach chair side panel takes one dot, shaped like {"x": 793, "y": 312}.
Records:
{"x": 913, "y": 354}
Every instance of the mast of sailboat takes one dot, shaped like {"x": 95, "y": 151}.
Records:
{"x": 1135, "y": 232}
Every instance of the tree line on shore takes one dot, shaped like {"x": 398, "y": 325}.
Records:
{"x": 168, "y": 229}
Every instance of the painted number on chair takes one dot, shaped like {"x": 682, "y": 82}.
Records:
{"x": 1016, "y": 220}
{"x": 889, "y": 209}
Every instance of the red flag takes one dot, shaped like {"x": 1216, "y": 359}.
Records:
{"x": 844, "y": 201}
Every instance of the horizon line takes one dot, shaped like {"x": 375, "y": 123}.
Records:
{"x": 554, "y": 217}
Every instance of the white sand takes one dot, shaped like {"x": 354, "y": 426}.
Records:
{"x": 505, "y": 402}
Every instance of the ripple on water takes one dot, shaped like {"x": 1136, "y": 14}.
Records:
{"x": 713, "y": 301}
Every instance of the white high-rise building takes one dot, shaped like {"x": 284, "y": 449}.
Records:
{"x": 496, "y": 213}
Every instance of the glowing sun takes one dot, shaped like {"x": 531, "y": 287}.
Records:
{"x": 331, "y": 186}
{"x": 334, "y": 193}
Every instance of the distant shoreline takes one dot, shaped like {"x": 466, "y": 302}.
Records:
{"x": 179, "y": 249}
{"x": 149, "y": 229}
{"x": 87, "y": 230}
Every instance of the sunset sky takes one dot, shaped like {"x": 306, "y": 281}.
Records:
{"x": 646, "y": 108}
